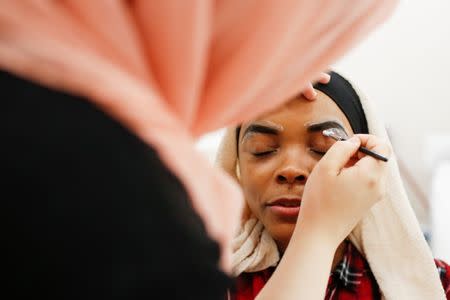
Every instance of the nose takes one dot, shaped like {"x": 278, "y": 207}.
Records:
{"x": 291, "y": 175}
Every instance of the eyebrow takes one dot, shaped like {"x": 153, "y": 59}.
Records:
{"x": 325, "y": 125}
{"x": 258, "y": 128}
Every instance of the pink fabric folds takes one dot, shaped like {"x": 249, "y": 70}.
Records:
{"x": 172, "y": 70}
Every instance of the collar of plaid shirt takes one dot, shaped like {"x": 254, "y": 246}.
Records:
{"x": 351, "y": 279}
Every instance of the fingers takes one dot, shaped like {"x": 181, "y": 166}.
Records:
{"x": 375, "y": 144}
{"x": 324, "y": 78}
{"x": 368, "y": 166}
{"x": 309, "y": 92}
{"x": 339, "y": 155}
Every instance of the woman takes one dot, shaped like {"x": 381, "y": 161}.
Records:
{"x": 274, "y": 158}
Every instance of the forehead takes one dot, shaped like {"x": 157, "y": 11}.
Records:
{"x": 300, "y": 111}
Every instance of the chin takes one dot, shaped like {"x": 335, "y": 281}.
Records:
{"x": 281, "y": 233}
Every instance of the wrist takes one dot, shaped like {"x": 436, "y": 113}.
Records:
{"x": 324, "y": 241}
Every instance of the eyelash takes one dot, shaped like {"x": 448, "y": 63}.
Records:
{"x": 266, "y": 153}
{"x": 317, "y": 152}
{"x": 262, "y": 154}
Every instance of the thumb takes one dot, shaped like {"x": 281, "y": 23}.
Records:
{"x": 339, "y": 154}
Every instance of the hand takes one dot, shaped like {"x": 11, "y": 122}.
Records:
{"x": 341, "y": 189}
{"x": 309, "y": 92}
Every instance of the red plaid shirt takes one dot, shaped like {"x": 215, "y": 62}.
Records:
{"x": 352, "y": 279}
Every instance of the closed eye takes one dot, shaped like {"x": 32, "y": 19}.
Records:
{"x": 321, "y": 153}
{"x": 264, "y": 153}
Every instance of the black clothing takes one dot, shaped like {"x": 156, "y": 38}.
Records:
{"x": 90, "y": 211}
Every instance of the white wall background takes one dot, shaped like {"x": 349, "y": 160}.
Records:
{"x": 404, "y": 67}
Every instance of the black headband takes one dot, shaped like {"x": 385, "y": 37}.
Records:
{"x": 343, "y": 94}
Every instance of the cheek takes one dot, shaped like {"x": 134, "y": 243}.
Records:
{"x": 254, "y": 180}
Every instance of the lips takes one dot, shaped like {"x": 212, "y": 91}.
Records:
{"x": 285, "y": 207}
{"x": 286, "y": 202}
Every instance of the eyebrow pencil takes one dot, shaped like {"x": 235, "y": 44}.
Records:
{"x": 334, "y": 134}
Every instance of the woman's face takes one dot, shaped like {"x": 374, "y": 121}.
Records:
{"x": 277, "y": 152}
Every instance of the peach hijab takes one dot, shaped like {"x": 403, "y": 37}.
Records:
{"x": 175, "y": 69}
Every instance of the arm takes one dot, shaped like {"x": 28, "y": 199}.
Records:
{"x": 304, "y": 270}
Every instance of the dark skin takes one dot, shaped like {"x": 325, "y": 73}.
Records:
{"x": 278, "y": 151}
